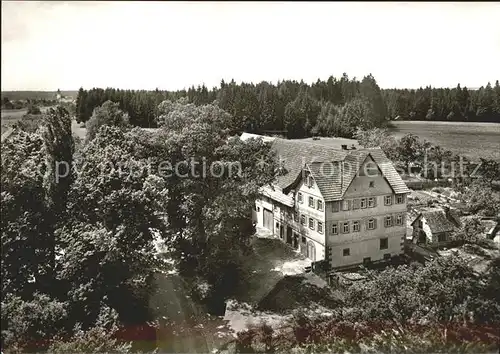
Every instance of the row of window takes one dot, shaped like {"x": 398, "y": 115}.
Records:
{"x": 345, "y": 227}
{"x": 311, "y": 222}
{"x": 360, "y": 203}
{"x": 400, "y": 198}
{"x": 311, "y": 203}
{"x": 363, "y": 203}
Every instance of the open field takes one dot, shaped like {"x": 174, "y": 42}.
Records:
{"x": 473, "y": 140}
{"x": 11, "y": 116}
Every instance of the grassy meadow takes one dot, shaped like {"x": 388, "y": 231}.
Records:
{"x": 11, "y": 116}
{"x": 470, "y": 139}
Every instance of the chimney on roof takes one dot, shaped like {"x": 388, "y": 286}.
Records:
{"x": 344, "y": 147}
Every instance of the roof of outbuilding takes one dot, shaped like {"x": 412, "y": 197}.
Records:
{"x": 277, "y": 195}
{"x": 437, "y": 221}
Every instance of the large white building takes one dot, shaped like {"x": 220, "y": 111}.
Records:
{"x": 345, "y": 206}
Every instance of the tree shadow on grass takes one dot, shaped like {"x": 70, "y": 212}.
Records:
{"x": 261, "y": 275}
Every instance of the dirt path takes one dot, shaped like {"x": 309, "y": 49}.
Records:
{"x": 79, "y": 131}
{"x": 185, "y": 325}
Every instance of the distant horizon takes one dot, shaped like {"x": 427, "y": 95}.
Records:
{"x": 175, "y": 45}
{"x": 238, "y": 83}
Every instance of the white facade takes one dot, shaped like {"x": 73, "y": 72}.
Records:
{"x": 367, "y": 224}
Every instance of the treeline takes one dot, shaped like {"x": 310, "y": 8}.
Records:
{"x": 438, "y": 104}
{"x": 334, "y": 107}
{"x": 21, "y": 104}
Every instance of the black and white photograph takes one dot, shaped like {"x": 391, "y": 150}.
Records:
{"x": 229, "y": 177}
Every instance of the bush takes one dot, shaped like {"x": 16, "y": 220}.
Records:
{"x": 32, "y": 109}
{"x": 95, "y": 340}
{"x": 29, "y": 123}
{"x": 486, "y": 243}
{"x": 108, "y": 114}
{"x": 476, "y": 249}
{"x": 26, "y": 325}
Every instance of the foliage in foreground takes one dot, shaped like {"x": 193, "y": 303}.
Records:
{"x": 322, "y": 335}
{"x": 76, "y": 252}
{"x": 79, "y": 242}
{"x": 69, "y": 248}
{"x": 440, "y": 307}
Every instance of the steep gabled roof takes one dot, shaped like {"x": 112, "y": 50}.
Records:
{"x": 388, "y": 170}
{"x": 332, "y": 169}
{"x": 333, "y": 179}
{"x": 328, "y": 179}
{"x": 350, "y": 167}
{"x": 437, "y": 220}
{"x": 296, "y": 154}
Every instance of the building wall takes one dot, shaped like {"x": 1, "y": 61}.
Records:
{"x": 260, "y": 204}
{"x": 283, "y": 215}
{"x": 362, "y": 244}
{"x": 426, "y": 228}
{"x": 417, "y": 230}
{"x": 303, "y": 208}
{"x": 365, "y": 243}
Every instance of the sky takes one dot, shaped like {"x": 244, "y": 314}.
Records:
{"x": 173, "y": 45}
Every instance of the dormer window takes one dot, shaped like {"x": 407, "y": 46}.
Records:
{"x": 309, "y": 181}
